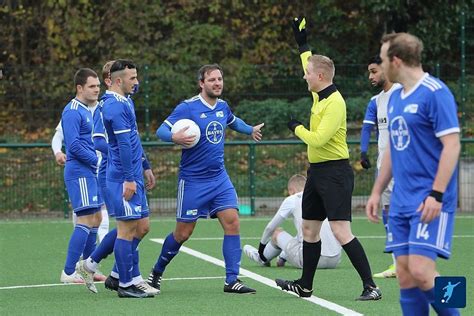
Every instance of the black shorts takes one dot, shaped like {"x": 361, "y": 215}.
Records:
{"x": 328, "y": 191}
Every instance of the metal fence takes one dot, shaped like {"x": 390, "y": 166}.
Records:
{"x": 31, "y": 183}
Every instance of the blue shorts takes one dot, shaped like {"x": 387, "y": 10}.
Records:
{"x": 83, "y": 194}
{"x": 101, "y": 181}
{"x": 406, "y": 235}
{"x": 203, "y": 199}
{"x": 133, "y": 209}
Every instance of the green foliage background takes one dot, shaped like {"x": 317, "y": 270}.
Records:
{"x": 42, "y": 44}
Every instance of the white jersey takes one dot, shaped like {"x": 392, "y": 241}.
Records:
{"x": 291, "y": 206}
{"x": 381, "y": 101}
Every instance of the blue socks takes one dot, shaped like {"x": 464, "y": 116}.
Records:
{"x": 430, "y": 297}
{"x": 169, "y": 250}
{"x": 232, "y": 255}
{"x": 91, "y": 243}
{"x": 76, "y": 247}
{"x": 385, "y": 220}
{"x": 136, "y": 267}
{"x": 414, "y": 302}
{"x": 106, "y": 247}
{"x": 123, "y": 258}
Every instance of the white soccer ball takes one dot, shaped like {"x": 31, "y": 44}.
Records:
{"x": 192, "y": 130}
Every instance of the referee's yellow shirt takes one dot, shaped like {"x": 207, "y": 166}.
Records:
{"x": 326, "y": 137}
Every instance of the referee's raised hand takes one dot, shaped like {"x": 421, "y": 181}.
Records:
{"x": 299, "y": 30}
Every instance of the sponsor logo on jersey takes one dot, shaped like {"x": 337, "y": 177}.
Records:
{"x": 411, "y": 108}
{"x": 214, "y": 132}
{"x": 219, "y": 114}
{"x": 192, "y": 212}
{"x": 203, "y": 115}
{"x": 399, "y": 133}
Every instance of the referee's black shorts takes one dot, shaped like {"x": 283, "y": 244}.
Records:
{"x": 328, "y": 191}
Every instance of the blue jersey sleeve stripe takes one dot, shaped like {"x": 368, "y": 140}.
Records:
{"x": 122, "y": 131}
{"x": 98, "y": 135}
{"x": 233, "y": 120}
{"x": 168, "y": 123}
{"x": 448, "y": 131}
{"x": 429, "y": 86}
{"x": 368, "y": 122}
{"x": 433, "y": 82}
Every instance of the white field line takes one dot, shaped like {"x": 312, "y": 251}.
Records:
{"x": 62, "y": 284}
{"x": 313, "y": 299}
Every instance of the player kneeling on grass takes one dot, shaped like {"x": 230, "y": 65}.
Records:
{"x": 277, "y": 242}
{"x": 204, "y": 187}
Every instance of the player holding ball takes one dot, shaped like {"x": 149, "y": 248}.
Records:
{"x": 204, "y": 187}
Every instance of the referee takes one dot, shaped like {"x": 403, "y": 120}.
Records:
{"x": 330, "y": 181}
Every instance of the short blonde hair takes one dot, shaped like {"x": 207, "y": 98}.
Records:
{"x": 325, "y": 64}
{"x": 297, "y": 182}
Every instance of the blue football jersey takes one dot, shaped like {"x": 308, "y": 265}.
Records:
{"x": 206, "y": 159}
{"x": 119, "y": 117}
{"x": 77, "y": 125}
{"x": 417, "y": 120}
{"x": 99, "y": 130}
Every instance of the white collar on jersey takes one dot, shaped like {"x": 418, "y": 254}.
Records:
{"x": 207, "y": 104}
{"x": 404, "y": 95}
{"x": 117, "y": 96}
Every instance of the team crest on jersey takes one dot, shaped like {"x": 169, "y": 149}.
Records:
{"x": 214, "y": 132}
{"x": 203, "y": 115}
{"x": 411, "y": 108}
{"x": 219, "y": 114}
{"x": 399, "y": 133}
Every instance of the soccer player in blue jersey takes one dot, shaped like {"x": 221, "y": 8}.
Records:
{"x": 125, "y": 186}
{"x": 89, "y": 265}
{"x": 376, "y": 116}
{"x": 80, "y": 169}
{"x": 204, "y": 187}
{"x": 422, "y": 158}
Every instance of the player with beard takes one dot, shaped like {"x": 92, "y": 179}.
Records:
{"x": 376, "y": 115}
{"x": 204, "y": 187}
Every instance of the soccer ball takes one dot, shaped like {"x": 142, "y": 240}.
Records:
{"x": 192, "y": 130}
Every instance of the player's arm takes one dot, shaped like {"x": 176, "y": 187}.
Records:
{"x": 383, "y": 178}
{"x": 150, "y": 180}
{"x": 71, "y": 129}
{"x": 180, "y": 137}
{"x": 122, "y": 129}
{"x": 368, "y": 124}
{"x": 238, "y": 125}
{"x": 330, "y": 123}
{"x": 447, "y": 163}
{"x": 57, "y": 144}
{"x": 98, "y": 137}
{"x": 286, "y": 208}
{"x": 299, "y": 31}
{"x": 442, "y": 114}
